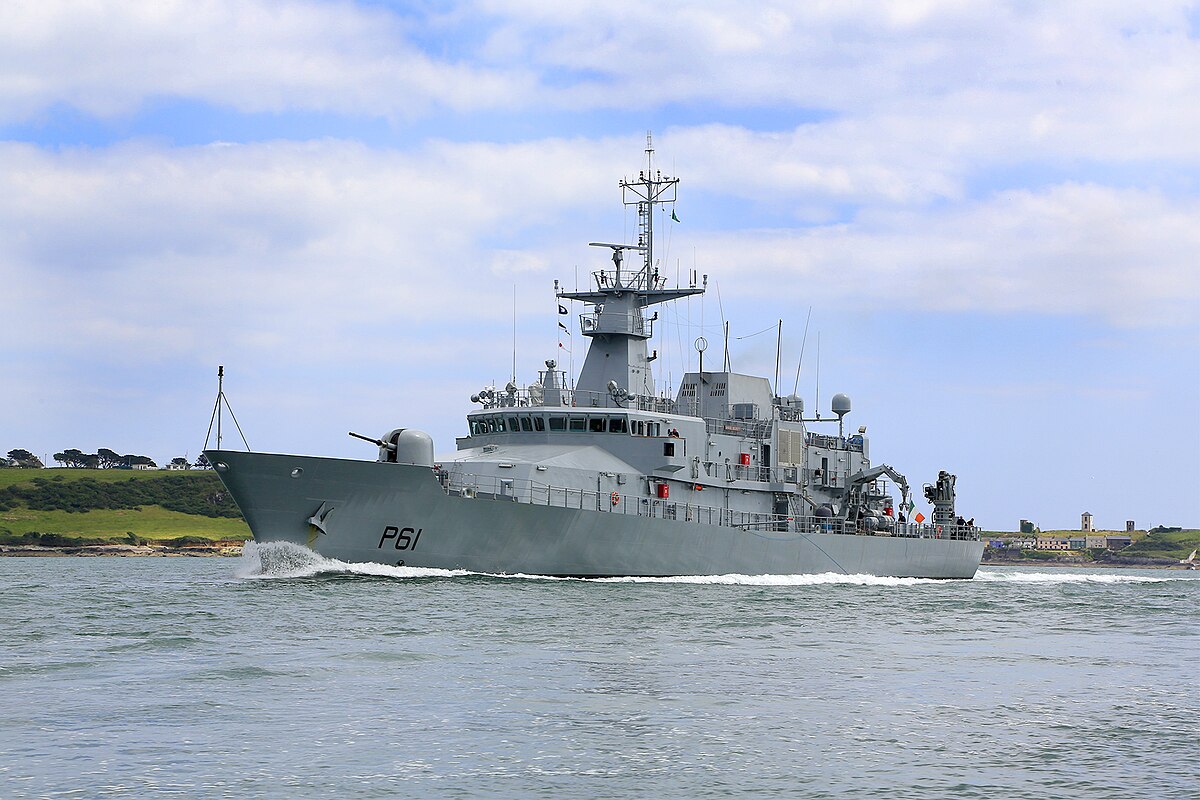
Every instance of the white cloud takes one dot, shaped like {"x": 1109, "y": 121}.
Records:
{"x": 332, "y": 251}
{"x": 137, "y": 252}
{"x": 1081, "y": 79}
{"x": 1125, "y": 256}
{"x": 255, "y": 56}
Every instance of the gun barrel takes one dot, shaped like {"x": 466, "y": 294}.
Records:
{"x": 372, "y": 440}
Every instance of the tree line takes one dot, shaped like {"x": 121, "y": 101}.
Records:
{"x": 101, "y": 459}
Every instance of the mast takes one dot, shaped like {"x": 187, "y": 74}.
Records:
{"x": 617, "y": 368}
{"x": 649, "y": 190}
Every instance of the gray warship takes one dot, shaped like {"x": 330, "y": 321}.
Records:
{"x": 604, "y": 477}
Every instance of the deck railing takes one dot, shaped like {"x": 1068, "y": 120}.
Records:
{"x": 518, "y": 490}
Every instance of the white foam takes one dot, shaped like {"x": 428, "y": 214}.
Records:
{"x": 274, "y": 560}
{"x": 283, "y": 560}
{"x": 822, "y": 579}
{"x": 998, "y": 576}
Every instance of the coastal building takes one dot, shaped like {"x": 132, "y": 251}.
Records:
{"x": 1077, "y": 542}
{"x": 1013, "y": 543}
{"x": 1129, "y": 526}
{"x": 1096, "y": 542}
{"x": 1086, "y": 523}
{"x": 1117, "y": 542}
{"x": 1053, "y": 543}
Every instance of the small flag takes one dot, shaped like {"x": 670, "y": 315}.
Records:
{"x": 564, "y": 327}
{"x": 673, "y": 215}
{"x": 919, "y": 517}
{"x": 911, "y": 506}
{"x": 561, "y": 309}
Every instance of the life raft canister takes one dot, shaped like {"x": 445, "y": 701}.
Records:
{"x": 616, "y": 498}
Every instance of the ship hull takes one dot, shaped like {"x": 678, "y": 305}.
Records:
{"x": 365, "y": 511}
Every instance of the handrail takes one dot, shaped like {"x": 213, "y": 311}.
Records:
{"x": 530, "y": 492}
{"x": 501, "y": 400}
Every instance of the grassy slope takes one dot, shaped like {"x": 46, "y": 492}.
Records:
{"x": 1176, "y": 545}
{"x": 8, "y": 477}
{"x": 150, "y": 522}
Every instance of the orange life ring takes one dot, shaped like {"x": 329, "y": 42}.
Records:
{"x": 616, "y": 498}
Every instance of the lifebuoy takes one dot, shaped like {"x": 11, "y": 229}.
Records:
{"x": 616, "y": 498}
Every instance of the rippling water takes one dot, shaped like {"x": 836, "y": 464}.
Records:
{"x": 284, "y": 675}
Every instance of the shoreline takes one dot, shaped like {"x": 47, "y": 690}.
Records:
{"x": 1107, "y": 564}
{"x": 216, "y": 550}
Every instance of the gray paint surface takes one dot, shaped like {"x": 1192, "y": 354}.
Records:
{"x": 365, "y": 498}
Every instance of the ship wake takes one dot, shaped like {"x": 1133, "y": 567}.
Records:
{"x": 284, "y": 560}
{"x": 1014, "y": 576}
{"x": 275, "y": 560}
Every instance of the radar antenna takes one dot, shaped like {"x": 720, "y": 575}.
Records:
{"x": 649, "y": 189}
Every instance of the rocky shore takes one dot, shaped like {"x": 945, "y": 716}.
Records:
{"x": 1073, "y": 560}
{"x": 222, "y": 549}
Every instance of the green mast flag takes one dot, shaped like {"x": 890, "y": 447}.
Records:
{"x": 673, "y": 215}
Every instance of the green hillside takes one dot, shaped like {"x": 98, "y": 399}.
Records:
{"x": 1165, "y": 544}
{"x": 71, "y": 506}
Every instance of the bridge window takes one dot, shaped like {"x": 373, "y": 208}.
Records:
{"x": 558, "y": 423}
{"x": 513, "y": 425}
{"x": 578, "y": 423}
{"x": 539, "y": 424}
{"x": 617, "y": 425}
{"x": 527, "y": 424}
{"x": 596, "y": 424}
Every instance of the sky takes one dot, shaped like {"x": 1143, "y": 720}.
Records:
{"x": 990, "y": 210}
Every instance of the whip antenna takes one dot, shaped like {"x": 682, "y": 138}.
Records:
{"x": 216, "y": 414}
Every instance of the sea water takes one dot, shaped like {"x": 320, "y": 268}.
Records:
{"x": 285, "y": 675}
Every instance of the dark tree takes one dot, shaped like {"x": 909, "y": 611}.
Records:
{"x": 25, "y": 459}
{"x": 70, "y": 457}
{"x": 108, "y": 458}
{"x": 179, "y": 461}
{"x": 201, "y": 462}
